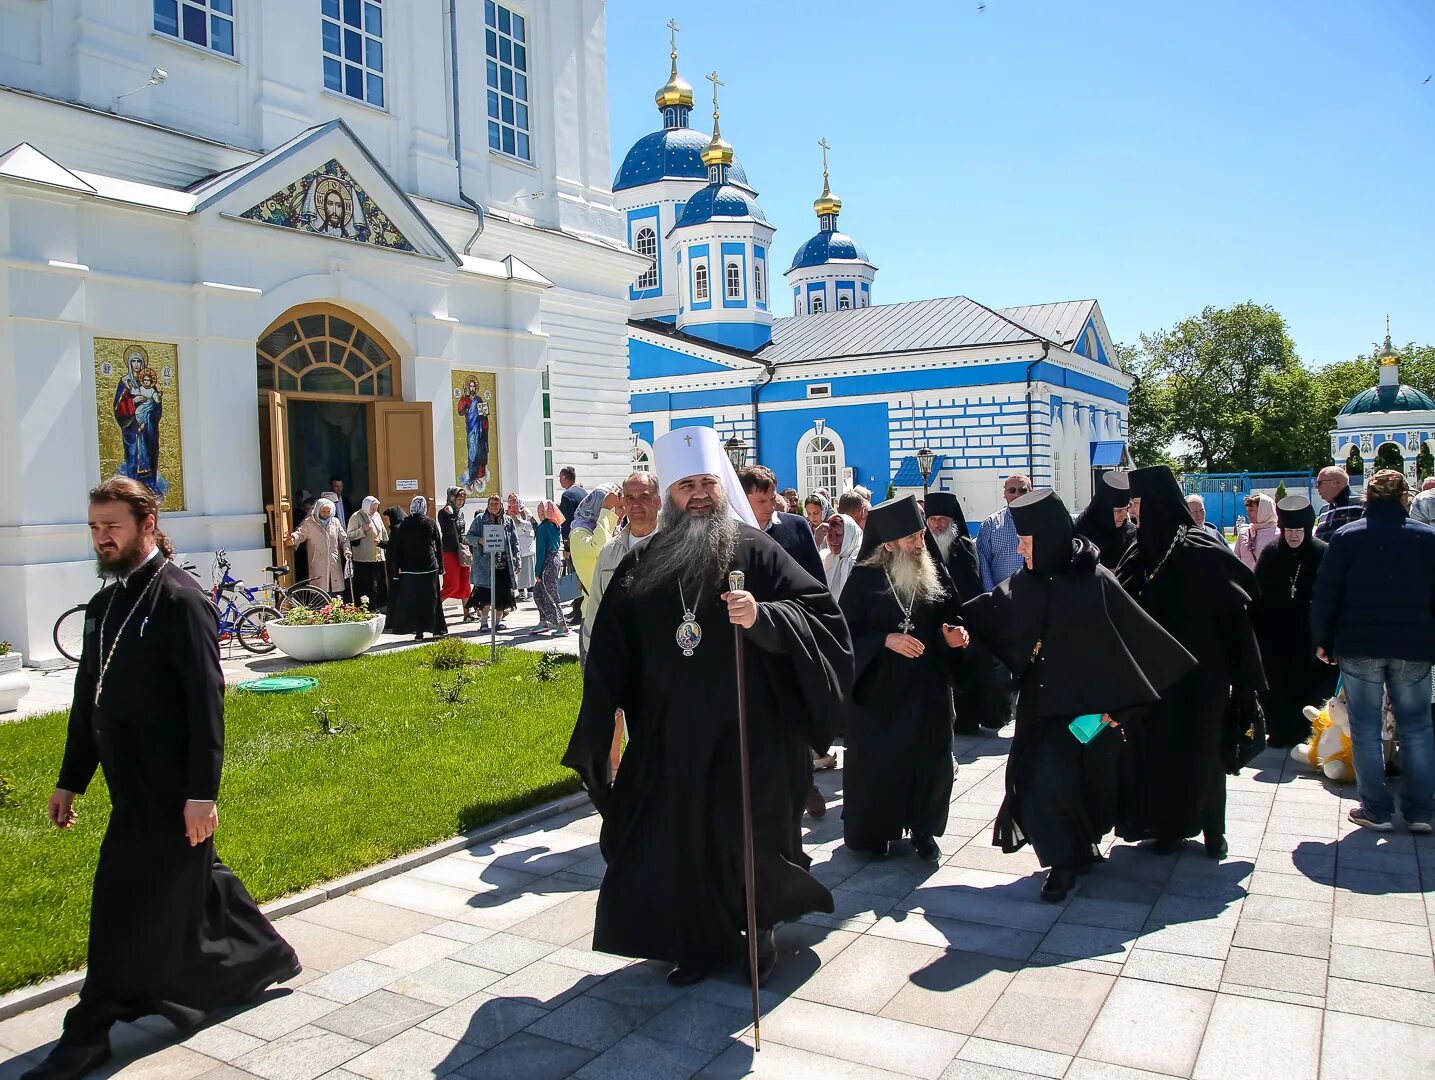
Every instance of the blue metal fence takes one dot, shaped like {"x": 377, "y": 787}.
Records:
{"x": 1225, "y": 493}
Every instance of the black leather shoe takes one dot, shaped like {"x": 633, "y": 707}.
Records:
{"x": 1059, "y": 882}
{"x": 687, "y": 974}
{"x": 876, "y": 851}
{"x": 766, "y": 955}
{"x": 1217, "y": 848}
{"x": 1162, "y": 846}
{"x": 69, "y": 1061}
{"x": 926, "y": 848}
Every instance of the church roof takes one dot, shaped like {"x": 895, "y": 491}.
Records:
{"x": 671, "y": 154}
{"x": 720, "y": 201}
{"x": 1061, "y": 322}
{"x": 951, "y": 322}
{"x": 1384, "y": 399}
{"x": 828, "y": 246}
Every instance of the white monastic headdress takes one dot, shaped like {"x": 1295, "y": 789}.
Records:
{"x": 695, "y": 451}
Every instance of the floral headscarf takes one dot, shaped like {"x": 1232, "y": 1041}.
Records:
{"x": 418, "y": 505}
{"x": 586, "y": 516}
{"x": 548, "y": 511}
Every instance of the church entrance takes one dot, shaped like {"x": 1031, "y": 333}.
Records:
{"x": 329, "y": 406}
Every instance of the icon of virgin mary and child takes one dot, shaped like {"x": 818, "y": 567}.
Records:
{"x": 474, "y": 408}
{"x": 139, "y": 404}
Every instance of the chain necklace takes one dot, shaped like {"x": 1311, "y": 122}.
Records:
{"x": 906, "y": 609}
{"x": 106, "y": 657}
{"x": 1180, "y": 535}
{"x": 690, "y": 634}
{"x": 1295, "y": 579}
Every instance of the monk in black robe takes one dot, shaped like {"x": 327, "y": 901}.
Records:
{"x": 907, "y": 641}
{"x": 1285, "y": 574}
{"x": 172, "y": 930}
{"x": 664, "y": 651}
{"x": 980, "y": 702}
{"x": 1174, "y": 780}
{"x": 1106, "y": 521}
{"x": 1078, "y": 646}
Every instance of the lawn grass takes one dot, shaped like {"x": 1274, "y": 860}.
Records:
{"x": 299, "y": 807}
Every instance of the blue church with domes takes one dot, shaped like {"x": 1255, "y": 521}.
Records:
{"x": 841, "y": 391}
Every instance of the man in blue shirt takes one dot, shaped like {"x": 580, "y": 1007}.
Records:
{"x": 1333, "y": 485}
{"x": 996, "y": 539}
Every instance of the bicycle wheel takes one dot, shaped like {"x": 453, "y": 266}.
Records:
{"x": 70, "y": 633}
{"x": 309, "y": 596}
{"x": 252, "y": 628}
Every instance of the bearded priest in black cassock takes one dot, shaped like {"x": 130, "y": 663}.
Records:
{"x": 663, "y": 650}
{"x": 1174, "y": 776}
{"x": 1105, "y": 521}
{"x": 1077, "y": 645}
{"x": 172, "y": 930}
{"x": 907, "y": 641}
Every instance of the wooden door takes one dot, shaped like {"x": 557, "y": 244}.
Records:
{"x": 274, "y": 476}
{"x": 402, "y": 452}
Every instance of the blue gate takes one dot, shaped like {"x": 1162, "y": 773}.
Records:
{"x": 1225, "y": 493}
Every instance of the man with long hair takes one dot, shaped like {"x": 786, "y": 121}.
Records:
{"x": 172, "y": 930}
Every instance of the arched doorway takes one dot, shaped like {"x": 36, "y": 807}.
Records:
{"x": 330, "y": 406}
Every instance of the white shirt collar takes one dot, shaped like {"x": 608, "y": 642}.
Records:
{"x": 125, "y": 578}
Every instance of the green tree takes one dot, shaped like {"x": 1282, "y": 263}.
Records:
{"x": 1148, "y": 426}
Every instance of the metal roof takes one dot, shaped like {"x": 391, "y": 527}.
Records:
{"x": 1061, "y": 323}
{"x": 952, "y": 322}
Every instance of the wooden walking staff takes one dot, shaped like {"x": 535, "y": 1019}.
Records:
{"x": 735, "y": 582}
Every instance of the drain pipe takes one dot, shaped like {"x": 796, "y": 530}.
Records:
{"x": 1030, "y": 435}
{"x": 457, "y": 126}
{"x": 757, "y": 388}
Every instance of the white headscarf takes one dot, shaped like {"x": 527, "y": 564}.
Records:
{"x": 418, "y": 505}
{"x": 319, "y": 503}
{"x": 370, "y": 506}
{"x": 838, "y": 564}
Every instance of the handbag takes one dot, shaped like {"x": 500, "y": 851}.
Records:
{"x": 465, "y": 554}
{"x": 1243, "y": 733}
{"x": 569, "y": 587}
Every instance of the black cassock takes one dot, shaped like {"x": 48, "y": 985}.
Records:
{"x": 1100, "y": 653}
{"x": 897, "y": 773}
{"x": 1174, "y": 782}
{"x": 1098, "y": 524}
{"x": 672, "y": 820}
{"x": 980, "y": 701}
{"x": 415, "y": 606}
{"x": 1282, "y": 619}
{"x": 172, "y": 930}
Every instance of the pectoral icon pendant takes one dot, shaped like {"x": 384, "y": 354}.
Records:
{"x": 690, "y": 634}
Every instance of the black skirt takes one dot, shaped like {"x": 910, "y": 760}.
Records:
{"x": 415, "y": 606}
{"x": 503, "y": 586}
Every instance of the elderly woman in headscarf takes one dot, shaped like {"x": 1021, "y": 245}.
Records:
{"x": 524, "y": 527}
{"x": 493, "y": 584}
{"x": 327, "y": 545}
{"x": 1262, "y": 531}
{"x": 367, "y": 538}
{"x": 1080, "y": 650}
{"x": 844, "y": 540}
{"x": 457, "y": 555}
{"x": 417, "y": 547}
{"x": 1281, "y": 614}
{"x": 548, "y": 556}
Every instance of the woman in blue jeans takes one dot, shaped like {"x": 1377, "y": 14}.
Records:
{"x": 1373, "y": 612}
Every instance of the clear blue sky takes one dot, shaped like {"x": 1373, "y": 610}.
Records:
{"x": 1158, "y": 155}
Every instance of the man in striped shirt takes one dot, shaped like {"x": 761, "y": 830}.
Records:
{"x": 996, "y": 539}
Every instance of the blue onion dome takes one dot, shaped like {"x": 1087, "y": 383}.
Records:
{"x": 672, "y": 154}
{"x": 828, "y": 246}
{"x": 1384, "y": 399}
{"x": 721, "y": 201}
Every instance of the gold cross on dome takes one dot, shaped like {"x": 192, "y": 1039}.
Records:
{"x": 823, "y": 143}
{"x": 712, "y": 77}
{"x": 673, "y": 33}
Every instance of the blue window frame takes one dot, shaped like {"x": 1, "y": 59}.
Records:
{"x": 505, "y": 46}
{"x": 352, "y": 34}
{"x": 208, "y": 24}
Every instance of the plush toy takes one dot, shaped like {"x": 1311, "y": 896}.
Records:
{"x": 1329, "y": 747}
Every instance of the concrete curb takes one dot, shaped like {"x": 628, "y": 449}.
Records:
{"x": 32, "y": 997}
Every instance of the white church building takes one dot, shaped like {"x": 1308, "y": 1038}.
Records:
{"x": 247, "y": 245}
{"x": 840, "y": 391}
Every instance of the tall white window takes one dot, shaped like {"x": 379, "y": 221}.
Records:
{"x": 796, "y": 304}
{"x": 820, "y": 467}
{"x": 700, "y": 283}
{"x": 206, "y": 23}
{"x": 734, "y": 281}
{"x": 818, "y": 305}
{"x": 758, "y": 293}
{"x": 646, "y": 245}
{"x": 505, "y": 43}
{"x": 353, "y": 33}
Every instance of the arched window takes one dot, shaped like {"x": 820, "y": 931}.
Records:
{"x": 757, "y": 288}
{"x": 734, "y": 281}
{"x": 844, "y": 302}
{"x": 818, "y": 305}
{"x": 646, "y": 245}
{"x": 1093, "y": 349}
{"x": 313, "y": 351}
{"x": 821, "y": 467}
{"x": 700, "y": 283}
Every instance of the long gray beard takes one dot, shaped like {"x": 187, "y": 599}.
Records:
{"x": 912, "y": 575}
{"x": 944, "y": 542}
{"x": 687, "y": 550}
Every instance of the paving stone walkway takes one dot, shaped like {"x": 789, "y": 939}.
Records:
{"x": 1305, "y": 954}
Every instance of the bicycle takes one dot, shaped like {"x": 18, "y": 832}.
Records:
{"x": 69, "y": 631}
{"x": 248, "y": 625}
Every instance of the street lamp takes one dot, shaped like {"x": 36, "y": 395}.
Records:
{"x": 736, "y": 451}
{"x": 925, "y": 457}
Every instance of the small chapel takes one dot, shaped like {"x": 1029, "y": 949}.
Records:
{"x": 839, "y": 390}
{"x": 1388, "y": 423}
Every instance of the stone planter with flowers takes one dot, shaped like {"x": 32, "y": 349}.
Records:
{"x": 336, "y": 631}
{"x": 14, "y": 683}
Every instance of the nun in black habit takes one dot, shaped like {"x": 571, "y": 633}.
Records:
{"x": 906, "y": 641}
{"x": 1105, "y": 522}
{"x": 1174, "y": 781}
{"x": 1077, "y": 645}
{"x": 1285, "y": 574}
{"x": 980, "y": 703}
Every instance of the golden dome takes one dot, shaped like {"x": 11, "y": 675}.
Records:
{"x": 718, "y": 151}
{"x": 1387, "y": 356}
{"x": 677, "y": 91}
{"x": 827, "y": 203}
